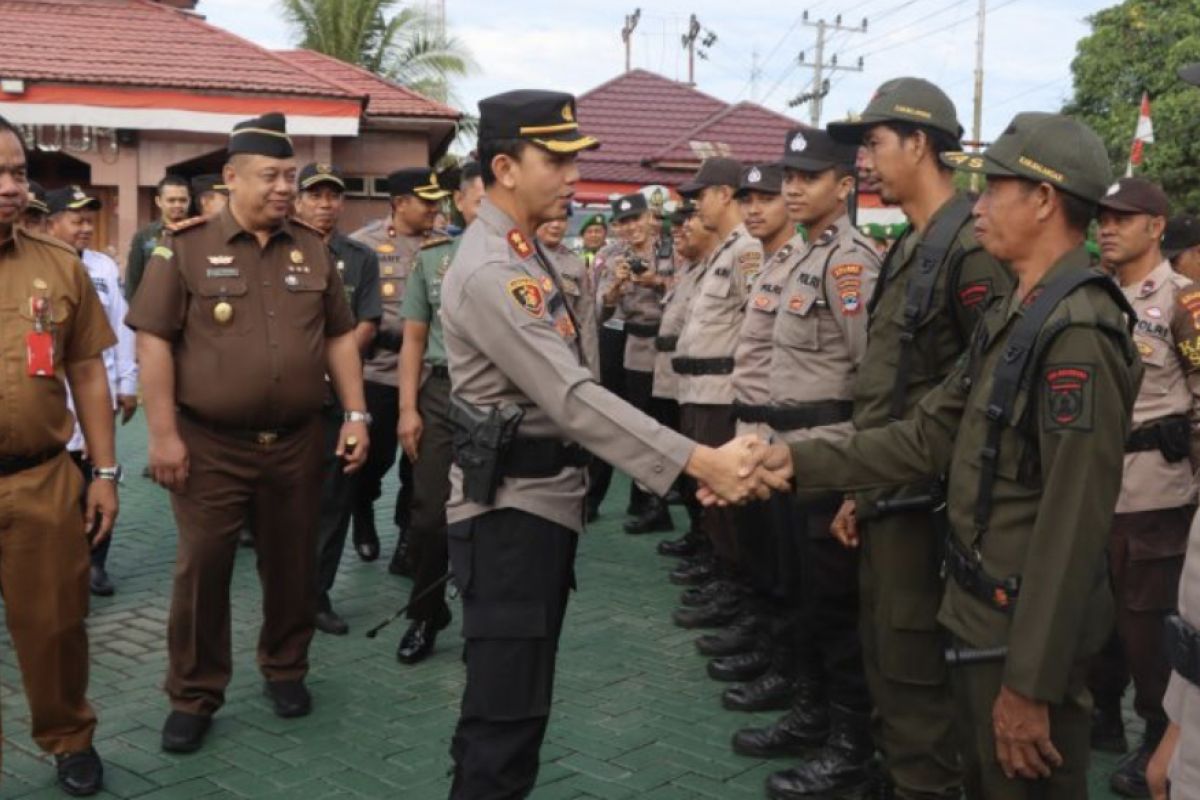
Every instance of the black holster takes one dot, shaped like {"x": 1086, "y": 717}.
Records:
{"x": 481, "y": 440}
{"x": 1171, "y": 436}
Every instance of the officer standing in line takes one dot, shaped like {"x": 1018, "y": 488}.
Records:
{"x": 37, "y": 213}
{"x": 526, "y": 411}
{"x": 172, "y": 200}
{"x": 396, "y": 240}
{"x": 1158, "y": 491}
{"x": 424, "y": 428}
{"x": 210, "y": 195}
{"x": 240, "y": 318}
{"x": 1181, "y": 245}
{"x": 319, "y": 204}
{"x": 1031, "y": 429}
{"x": 577, "y": 289}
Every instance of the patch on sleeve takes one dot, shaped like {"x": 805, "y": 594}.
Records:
{"x": 162, "y": 252}
{"x": 848, "y": 281}
{"x": 975, "y": 293}
{"x": 519, "y": 244}
{"x": 749, "y": 262}
{"x": 1191, "y": 303}
{"x": 1068, "y": 397}
{"x": 1189, "y": 350}
{"x": 528, "y": 295}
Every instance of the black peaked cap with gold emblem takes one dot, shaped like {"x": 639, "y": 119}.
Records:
{"x": 316, "y": 173}
{"x": 419, "y": 181}
{"x": 262, "y": 136}
{"x": 546, "y": 119}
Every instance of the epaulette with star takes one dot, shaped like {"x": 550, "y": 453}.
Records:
{"x": 434, "y": 241}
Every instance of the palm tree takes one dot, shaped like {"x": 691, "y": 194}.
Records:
{"x": 399, "y": 43}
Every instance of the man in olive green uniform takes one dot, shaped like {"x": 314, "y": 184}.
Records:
{"x": 424, "y": 431}
{"x": 1031, "y": 429}
{"x": 240, "y": 318}
{"x": 396, "y": 240}
{"x": 172, "y": 200}
{"x": 933, "y": 286}
{"x": 319, "y": 204}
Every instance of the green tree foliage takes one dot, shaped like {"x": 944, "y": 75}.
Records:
{"x": 1134, "y": 47}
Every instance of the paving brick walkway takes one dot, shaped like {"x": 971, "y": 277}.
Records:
{"x": 635, "y": 715}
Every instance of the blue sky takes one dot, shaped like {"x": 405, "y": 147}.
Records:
{"x": 574, "y": 45}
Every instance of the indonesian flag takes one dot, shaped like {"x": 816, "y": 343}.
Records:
{"x": 1143, "y": 136}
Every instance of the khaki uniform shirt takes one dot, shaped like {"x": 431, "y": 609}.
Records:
{"x": 1057, "y": 478}
{"x": 34, "y": 417}
{"x": 820, "y": 333}
{"x": 602, "y": 270}
{"x": 247, "y": 324}
{"x": 640, "y": 306}
{"x": 511, "y": 338}
{"x": 1168, "y": 340}
{"x": 1182, "y": 700}
{"x": 576, "y": 282}
{"x": 714, "y": 321}
{"x": 676, "y": 304}
{"x": 397, "y": 257}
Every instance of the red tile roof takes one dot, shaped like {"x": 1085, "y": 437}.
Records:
{"x": 386, "y": 99}
{"x": 646, "y": 123}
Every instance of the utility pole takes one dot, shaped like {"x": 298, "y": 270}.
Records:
{"x": 631, "y": 23}
{"x": 755, "y": 75}
{"x": 820, "y": 85}
{"x": 689, "y": 44}
{"x": 977, "y": 126}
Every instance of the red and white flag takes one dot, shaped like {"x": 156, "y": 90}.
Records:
{"x": 1143, "y": 136}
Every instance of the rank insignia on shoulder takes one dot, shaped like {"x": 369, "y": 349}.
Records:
{"x": 528, "y": 295}
{"x": 519, "y": 244}
{"x": 434, "y": 242}
{"x": 784, "y": 253}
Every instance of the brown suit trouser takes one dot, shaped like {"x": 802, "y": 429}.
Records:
{"x": 44, "y": 575}
{"x": 713, "y": 425}
{"x": 280, "y": 484}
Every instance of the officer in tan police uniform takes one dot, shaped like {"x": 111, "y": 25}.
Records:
{"x": 527, "y": 411}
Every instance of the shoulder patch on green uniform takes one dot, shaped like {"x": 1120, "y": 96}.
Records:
{"x": 435, "y": 242}
{"x": 162, "y": 252}
{"x": 1068, "y": 397}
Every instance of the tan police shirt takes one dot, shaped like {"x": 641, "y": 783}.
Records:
{"x": 676, "y": 304}
{"x": 715, "y": 319}
{"x": 247, "y": 324}
{"x": 752, "y": 358}
{"x": 34, "y": 417}
{"x": 510, "y": 339}
{"x": 641, "y": 307}
{"x": 397, "y": 258}
{"x": 576, "y": 281}
{"x": 820, "y": 332}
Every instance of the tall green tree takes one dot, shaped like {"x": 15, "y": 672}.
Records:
{"x": 1134, "y": 47}
{"x": 398, "y": 42}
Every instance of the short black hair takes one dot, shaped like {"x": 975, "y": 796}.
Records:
{"x": 1078, "y": 212}
{"x": 171, "y": 179}
{"x": 845, "y": 171}
{"x": 939, "y": 140}
{"x": 490, "y": 148}
{"x": 6, "y": 125}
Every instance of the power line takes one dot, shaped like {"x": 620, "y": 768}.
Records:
{"x": 935, "y": 31}
{"x": 906, "y": 26}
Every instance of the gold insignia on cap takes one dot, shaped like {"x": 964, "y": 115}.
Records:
{"x": 297, "y": 257}
{"x": 913, "y": 112}
{"x": 567, "y": 114}
{"x": 223, "y": 313}
{"x": 1041, "y": 169}
{"x": 324, "y": 169}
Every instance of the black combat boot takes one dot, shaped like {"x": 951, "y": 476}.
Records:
{"x": 655, "y": 518}
{"x": 740, "y": 636}
{"x": 741, "y": 666}
{"x": 1129, "y": 779}
{"x": 804, "y": 727}
{"x": 844, "y": 764}
{"x": 1108, "y": 729}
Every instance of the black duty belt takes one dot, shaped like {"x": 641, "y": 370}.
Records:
{"x": 1170, "y": 435}
{"x": 439, "y": 371}
{"x": 808, "y": 415}
{"x": 11, "y": 465}
{"x": 702, "y": 366}
{"x": 266, "y": 436}
{"x": 968, "y": 573}
{"x": 666, "y": 344}
{"x": 1183, "y": 648}
{"x": 532, "y": 457}
{"x": 644, "y": 330}
{"x": 744, "y": 412}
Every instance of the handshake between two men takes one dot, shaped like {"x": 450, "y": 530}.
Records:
{"x": 743, "y": 469}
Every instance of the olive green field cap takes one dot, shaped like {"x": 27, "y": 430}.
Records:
{"x": 912, "y": 100}
{"x": 1041, "y": 147}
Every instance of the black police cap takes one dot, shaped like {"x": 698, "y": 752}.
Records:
{"x": 546, "y": 119}
{"x": 317, "y": 173}
{"x": 715, "y": 171}
{"x": 262, "y": 136}
{"x": 37, "y": 199}
{"x": 814, "y": 150}
{"x": 629, "y": 206}
{"x": 419, "y": 181}
{"x": 70, "y": 198}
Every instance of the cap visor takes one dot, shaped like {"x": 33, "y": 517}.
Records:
{"x": 849, "y": 132}
{"x": 567, "y": 145}
{"x": 90, "y": 204}
{"x": 805, "y": 164}
{"x": 977, "y": 164}
{"x": 624, "y": 215}
{"x": 319, "y": 179}
{"x": 436, "y": 194}
{"x": 37, "y": 206}
{"x": 691, "y": 188}
{"x": 1114, "y": 203}
{"x": 1190, "y": 73}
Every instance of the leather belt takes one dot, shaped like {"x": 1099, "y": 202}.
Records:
{"x": 643, "y": 330}
{"x": 537, "y": 457}
{"x": 11, "y": 465}
{"x": 796, "y": 417}
{"x": 666, "y": 344}
{"x": 702, "y": 366}
{"x": 264, "y": 437}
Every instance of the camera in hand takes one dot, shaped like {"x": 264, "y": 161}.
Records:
{"x": 637, "y": 265}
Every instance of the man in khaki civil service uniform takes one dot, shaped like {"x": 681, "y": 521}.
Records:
{"x": 239, "y": 319}
{"x": 55, "y": 334}
{"x": 527, "y": 410}
{"x": 1031, "y": 430}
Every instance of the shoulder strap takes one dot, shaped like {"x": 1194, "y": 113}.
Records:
{"x": 1012, "y": 368}
{"x": 931, "y": 252}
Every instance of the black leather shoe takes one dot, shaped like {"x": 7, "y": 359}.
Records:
{"x": 417, "y": 642}
{"x": 693, "y": 574}
{"x": 80, "y": 774}
{"x": 804, "y": 727}
{"x": 290, "y": 698}
{"x": 99, "y": 583}
{"x": 366, "y": 538}
{"x": 845, "y": 764}
{"x": 769, "y": 692}
{"x": 716, "y": 614}
{"x": 710, "y": 592}
{"x": 740, "y": 637}
{"x": 1129, "y": 779}
{"x": 655, "y": 518}
{"x": 184, "y": 732}
{"x": 1108, "y": 731}
{"x": 401, "y": 564}
{"x": 331, "y": 622}
{"x": 740, "y": 667}
{"x": 683, "y": 547}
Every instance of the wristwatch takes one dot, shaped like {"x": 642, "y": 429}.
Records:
{"x": 357, "y": 416}
{"x": 113, "y": 474}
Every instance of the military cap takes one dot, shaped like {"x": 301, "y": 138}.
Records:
{"x": 470, "y": 171}
{"x": 1191, "y": 73}
{"x": 594, "y": 219}
{"x": 37, "y": 199}
{"x": 814, "y": 150}
{"x": 316, "y": 173}
{"x": 1136, "y": 196}
{"x": 1182, "y": 233}
{"x": 210, "y": 182}
{"x": 715, "y": 171}
{"x": 681, "y": 211}
{"x": 912, "y": 100}
{"x": 765, "y": 178}
{"x": 1042, "y": 147}
{"x": 419, "y": 181}
{"x": 629, "y": 206}
{"x": 546, "y": 119}
{"x": 262, "y": 136}
{"x": 70, "y": 198}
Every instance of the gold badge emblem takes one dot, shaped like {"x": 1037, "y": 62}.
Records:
{"x": 223, "y": 313}
{"x": 389, "y": 289}
{"x": 297, "y": 257}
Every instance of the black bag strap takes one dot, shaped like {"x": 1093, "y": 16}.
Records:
{"x": 1012, "y": 369}
{"x": 931, "y": 253}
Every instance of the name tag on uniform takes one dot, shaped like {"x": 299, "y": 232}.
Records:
{"x": 222, "y": 272}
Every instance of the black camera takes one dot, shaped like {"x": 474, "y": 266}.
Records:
{"x": 637, "y": 265}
